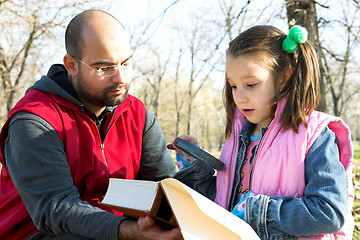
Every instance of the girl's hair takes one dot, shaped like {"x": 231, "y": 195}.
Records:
{"x": 302, "y": 88}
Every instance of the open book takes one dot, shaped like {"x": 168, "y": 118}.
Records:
{"x": 175, "y": 204}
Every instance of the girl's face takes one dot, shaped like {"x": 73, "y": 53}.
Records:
{"x": 254, "y": 88}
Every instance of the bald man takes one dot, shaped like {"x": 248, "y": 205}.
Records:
{"x": 74, "y": 129}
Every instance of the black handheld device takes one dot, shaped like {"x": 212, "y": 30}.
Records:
{"x": 198, "y": 153}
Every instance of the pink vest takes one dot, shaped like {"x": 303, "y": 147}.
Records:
{"x": 273, "y": 174}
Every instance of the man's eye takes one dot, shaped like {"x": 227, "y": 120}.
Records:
{"x": 125, "y": 65}
{"x": 105, "y": 69}
{"x": 101, "y": 69}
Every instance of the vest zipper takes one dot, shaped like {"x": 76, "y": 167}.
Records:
{"x": 258, "y": 149}
{"x": 103, "y": 154}
{"x": 102, "y": 144}
{"x": 108, "y": 126}
{"x": 253, "y": 162}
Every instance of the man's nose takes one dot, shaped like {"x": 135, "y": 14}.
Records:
{"x": 119, "y": 76}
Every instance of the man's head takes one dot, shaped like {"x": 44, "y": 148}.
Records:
{"x": 73, "y": 34}
{"x": 95, "y": 43}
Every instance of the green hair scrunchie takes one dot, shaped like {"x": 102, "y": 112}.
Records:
{"x": 297, "y": 34}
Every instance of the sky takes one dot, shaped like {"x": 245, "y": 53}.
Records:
{"x": 133, "y": 11}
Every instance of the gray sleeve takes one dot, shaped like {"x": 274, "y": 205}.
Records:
{"x": 37, "y": 164}
{"x": 156, "y": 162}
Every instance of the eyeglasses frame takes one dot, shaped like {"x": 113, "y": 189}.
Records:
{"x": 101, "y": 69}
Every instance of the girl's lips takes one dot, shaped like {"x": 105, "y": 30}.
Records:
{"x": 247, "y": 111}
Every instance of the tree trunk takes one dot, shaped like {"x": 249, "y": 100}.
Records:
{"x": 303, "y": 12}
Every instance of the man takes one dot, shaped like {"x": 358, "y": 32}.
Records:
{"x": 73, "y": 130}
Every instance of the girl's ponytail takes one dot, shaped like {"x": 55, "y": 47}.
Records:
{"x": 302, "y": 88}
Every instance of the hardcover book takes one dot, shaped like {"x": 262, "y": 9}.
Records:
{"x": 174, "y": 204}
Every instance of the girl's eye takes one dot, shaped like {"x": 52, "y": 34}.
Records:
{"x": 250, "y": 85}
{"x": 233, "y": 87}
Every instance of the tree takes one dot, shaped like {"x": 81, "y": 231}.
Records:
{"x": 336, "y": 61}
{"x": 340, "y": 62}
{"x": 303, "y": 12}
{"x": 219, "y": 24}
{"x": 177, "y": 100}
{"x": 29, "y": 29}
{"x": 154, "y": 75}
{"x": 196, "y": 45}
{"x": 200, "y": 58}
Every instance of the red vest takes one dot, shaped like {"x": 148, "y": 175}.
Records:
{"x": 91, "y": 162}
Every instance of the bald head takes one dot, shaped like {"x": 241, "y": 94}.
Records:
{"x": 95, "y": 21}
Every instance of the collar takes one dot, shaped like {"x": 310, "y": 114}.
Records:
{"x": 98, "y": 119}
{"x": 248, "y": 129}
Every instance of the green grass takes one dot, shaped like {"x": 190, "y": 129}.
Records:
{"x": 356, "y": 182}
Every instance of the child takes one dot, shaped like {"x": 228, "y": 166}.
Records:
{"x": 287, "y": 167}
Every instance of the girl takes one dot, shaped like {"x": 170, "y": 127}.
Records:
{"x": 287, "y": 167}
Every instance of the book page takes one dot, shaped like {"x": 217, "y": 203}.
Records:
{"x": 200, "y": 218}
{"x": 132, "y": 194}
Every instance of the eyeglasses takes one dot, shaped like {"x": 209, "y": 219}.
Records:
{"x": 107, "y": 71}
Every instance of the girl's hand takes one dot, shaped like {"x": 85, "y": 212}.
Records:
{"x": 183, "y": 161}
{"x": 239, "y": 209}
{"x": 188, "y": 138}
{"x": 182, "y": 158}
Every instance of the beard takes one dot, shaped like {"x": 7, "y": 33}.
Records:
{"x": 101, "y": 98}
{"x": 107, "y": 100}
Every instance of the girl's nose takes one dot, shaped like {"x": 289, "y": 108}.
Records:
{"x": 240, "y": 96}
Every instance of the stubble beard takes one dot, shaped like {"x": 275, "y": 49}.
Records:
{"x": 101, "y": 99}
{"x": 114, "y": 101}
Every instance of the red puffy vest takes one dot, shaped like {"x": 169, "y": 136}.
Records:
{"x": 91, "y": 162}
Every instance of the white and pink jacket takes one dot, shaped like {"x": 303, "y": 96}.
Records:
{"x": 278, "y": 168}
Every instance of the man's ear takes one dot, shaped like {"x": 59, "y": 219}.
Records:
{"x": 71, "y": 65}
{"x": 285, "y": 77}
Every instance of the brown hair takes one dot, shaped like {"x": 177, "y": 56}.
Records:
{"x": 302, "y": 88}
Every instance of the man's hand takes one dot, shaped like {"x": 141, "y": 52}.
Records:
{"x": 151, "y": 230}
{"x": 146, "y": 229}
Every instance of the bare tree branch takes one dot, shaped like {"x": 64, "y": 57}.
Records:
{"x": 32, "y": 24}
{"x": 147, "y": 26}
